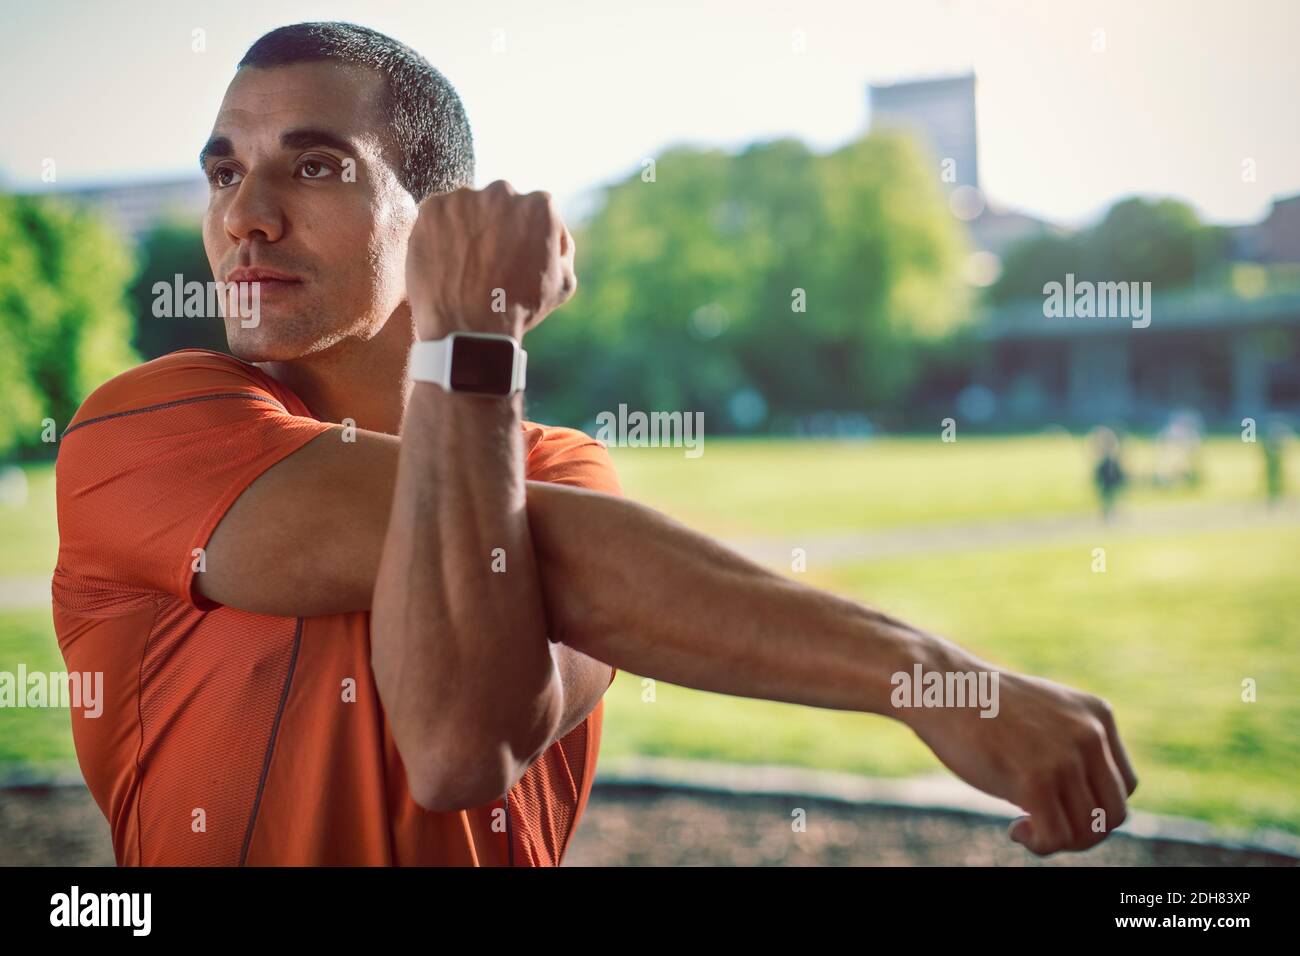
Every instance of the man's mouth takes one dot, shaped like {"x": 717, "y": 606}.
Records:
{"x": 259, "y": 274}
{"x": 268, "y": 280}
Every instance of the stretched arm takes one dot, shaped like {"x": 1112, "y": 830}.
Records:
{"x": 629, "y": 586}
{"x": 661, "y": 600}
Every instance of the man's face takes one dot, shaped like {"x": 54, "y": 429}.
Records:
{"x": 285, "y": 144}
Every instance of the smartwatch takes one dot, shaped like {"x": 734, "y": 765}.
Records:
{"x": 480, "y": 363}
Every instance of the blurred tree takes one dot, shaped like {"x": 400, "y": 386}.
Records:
{"x": 1161, "y": 242}
{"x": 172, "y": 248}
{"x": 1029, "y": 265}
{"x": 64, "y": 324}
{"x": 776, "y": 275}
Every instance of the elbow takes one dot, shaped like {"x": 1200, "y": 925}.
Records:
{"x": 472, "y": 771}
{"x": 444, "y": 783}
{"x": 457, "y": 759}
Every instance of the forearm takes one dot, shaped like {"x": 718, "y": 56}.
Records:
{"x": 458, "y": 637}
{"x": 631, "y": 587}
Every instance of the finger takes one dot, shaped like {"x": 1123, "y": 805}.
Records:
{"x": 567, "y": 246}
{"x": 1047, "y": 829}
{"x": 543, "y": 229}
{"x": 1080, "y": 803}
{"x": 548, "y": 221}
{"x": 1108, "y": 786}
{"x": 1117, "y": 751}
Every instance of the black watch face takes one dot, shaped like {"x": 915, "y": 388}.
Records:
{"x": 482, "y": 365}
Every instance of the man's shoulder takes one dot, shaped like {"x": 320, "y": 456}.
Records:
{"x": 568, "y": 456}
{"x": 179, "y": 376}
{"x": 546, "y": 442}
{"x": 537, "y": 433}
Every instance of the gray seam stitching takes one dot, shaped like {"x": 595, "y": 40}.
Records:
{"x": 180, "y": 401}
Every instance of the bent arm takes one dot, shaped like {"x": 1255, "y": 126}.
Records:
{"x": 458, "y": 634}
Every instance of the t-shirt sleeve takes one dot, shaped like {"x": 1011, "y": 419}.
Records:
{"x": 149, "y": 466}
{"x": 567, "y": 456}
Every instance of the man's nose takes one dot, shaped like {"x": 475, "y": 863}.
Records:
{"x": 256, "y": 208}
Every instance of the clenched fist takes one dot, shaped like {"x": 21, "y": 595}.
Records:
{"x": 1053, "y": 751}
{"x": 487, "y": 260}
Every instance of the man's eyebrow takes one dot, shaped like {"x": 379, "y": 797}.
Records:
{"x": 216, "y": 146}
{"x": 311, "y": 136}
{"x": 302, "y": 138}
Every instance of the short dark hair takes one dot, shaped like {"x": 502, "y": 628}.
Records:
{"x": 426, "y": 116}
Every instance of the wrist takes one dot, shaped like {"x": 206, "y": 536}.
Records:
{"x": 905, "y": 650}
{"x": 932, "y": 654}
{"x": 437, "y": 326}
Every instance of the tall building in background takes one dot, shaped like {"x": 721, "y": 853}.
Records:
{"x": 941, "y": 112}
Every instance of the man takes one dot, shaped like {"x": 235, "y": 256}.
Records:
{"x": 346, "y": 616}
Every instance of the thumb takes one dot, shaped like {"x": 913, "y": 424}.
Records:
{"x": 1021, "y": 831}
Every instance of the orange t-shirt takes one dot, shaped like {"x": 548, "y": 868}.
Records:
{"x": 232, "y": 738}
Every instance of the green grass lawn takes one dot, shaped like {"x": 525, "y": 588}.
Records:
{"x": 38, "y": 738}
{"x": 29, "y": 533}
{"x": 754, "y": 488}
{"x": 1166, "y": 634}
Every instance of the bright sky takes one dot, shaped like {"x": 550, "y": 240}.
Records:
{"x": 1183, "y": 92}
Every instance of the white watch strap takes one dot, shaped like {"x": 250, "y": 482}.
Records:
{"x": 431, "y": 362}
{"x": 521, "y": 369}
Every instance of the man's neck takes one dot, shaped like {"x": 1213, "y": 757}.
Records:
{"x": 364, "y": 381}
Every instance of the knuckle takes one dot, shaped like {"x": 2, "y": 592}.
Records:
{"x": 448, "y": 199}
{"x": 1092, "y": 739}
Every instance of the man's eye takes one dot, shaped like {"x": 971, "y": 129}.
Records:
{"x": 224, "y": 176}
{"x": 315, "y": 169}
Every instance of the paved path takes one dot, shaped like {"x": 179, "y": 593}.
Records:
{"x": 822, "y": 549}
{"x": 24, "y": 593}
{"x": 669, "y": 812}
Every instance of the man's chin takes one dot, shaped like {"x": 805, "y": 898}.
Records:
{"x": 251, "y": 345}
